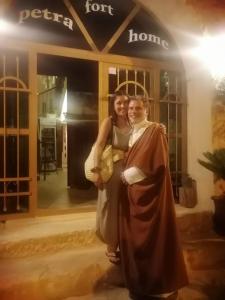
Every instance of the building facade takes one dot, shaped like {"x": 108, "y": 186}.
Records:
{"x": 60, "y": 64}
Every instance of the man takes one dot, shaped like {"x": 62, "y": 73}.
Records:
{"x": 151, "y": 256}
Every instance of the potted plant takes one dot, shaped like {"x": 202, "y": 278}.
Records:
{"x": 216, "y": 164}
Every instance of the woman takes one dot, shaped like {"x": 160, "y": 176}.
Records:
{"x": 115, "y": 129}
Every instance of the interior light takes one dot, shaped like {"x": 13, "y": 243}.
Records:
{"x": 64, "y": 108}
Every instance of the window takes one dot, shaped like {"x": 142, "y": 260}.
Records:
{"x": 171, "y": 112}
{"x": 14, "y": 133}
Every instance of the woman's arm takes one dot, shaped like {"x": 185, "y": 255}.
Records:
{"x": 100, "y": 143}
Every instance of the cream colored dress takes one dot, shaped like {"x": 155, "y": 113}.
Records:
{"x": 108, "y": 199}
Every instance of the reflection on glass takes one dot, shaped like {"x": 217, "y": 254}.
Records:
{"x": 131, "y": 75}
{"x": 175, "y": 153}
{"x": 24, "y": 186}
{"x": 179, "y": 154}
{"x": 11, "y": 110}
{"x": 1, "y": 156}
{"x": 23, "y": 68}
{"x": 176, "y": 182}
{"x": 172, "y": 118}
{"x": 23, "y": 110}
{"x": 164, "y": 84}
{"x": 132, "y": 89}
{"x": 2, "y": 205}
{"x": 122, "y": 75}
{"x": 11, "y": 187}
{"x": 112, "y": 83}
{"x": 1, "y": 110}
{"x": 11, "y": 156}
{"x": 172, "y": 154}
{"x": 24, "y": 156}
{"x": 179, "y": 119}
{"x": 164, "y": 114}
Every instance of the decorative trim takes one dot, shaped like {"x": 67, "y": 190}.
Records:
{"x": 134, "y": 83}
{"x": 122, "y": 27}
{"x": 80, "y": 25}
{"x": 24, "y": 87}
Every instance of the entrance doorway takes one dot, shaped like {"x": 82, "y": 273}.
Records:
{"x": 67, "y": 128}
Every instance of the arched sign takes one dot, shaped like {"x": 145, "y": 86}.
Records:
{"x": 108, "y": 26}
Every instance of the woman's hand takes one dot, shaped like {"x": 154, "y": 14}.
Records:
{"x": 98, "y": 182}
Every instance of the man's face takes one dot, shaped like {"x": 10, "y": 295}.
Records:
{"x": 136, "y": 111}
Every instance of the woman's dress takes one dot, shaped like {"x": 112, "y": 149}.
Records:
{"x": 108, "y": 199}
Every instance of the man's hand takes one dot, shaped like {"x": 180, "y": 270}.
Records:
{"x": 123, "y": 179}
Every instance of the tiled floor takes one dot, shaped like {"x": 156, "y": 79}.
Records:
{"x": 53, "y": 193}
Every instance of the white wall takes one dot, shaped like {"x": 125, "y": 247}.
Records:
{"x": 183, "y": 24}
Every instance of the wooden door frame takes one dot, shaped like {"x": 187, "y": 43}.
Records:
{"x": 104, "y": 61}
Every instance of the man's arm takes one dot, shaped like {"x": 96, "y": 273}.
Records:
{"x": 132, "y": 175}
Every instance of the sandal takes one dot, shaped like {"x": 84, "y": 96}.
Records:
{"x": 114, "y": 257}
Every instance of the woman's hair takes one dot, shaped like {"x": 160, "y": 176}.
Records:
{"x": 111, "y": 104}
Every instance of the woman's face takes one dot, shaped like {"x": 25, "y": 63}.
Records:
{"x": 121, "y": 105}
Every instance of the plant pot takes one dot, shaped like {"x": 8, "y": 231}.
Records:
{"x": 219, "y": 215}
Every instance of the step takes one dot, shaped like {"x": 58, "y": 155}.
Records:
{"x": 40, "y": 235}
{"x": 28, "y": 237}
{"x": 54, "y": 276}
{"x": 85, "y": 273}
{"x": 57, "y": 258}
{"x": 205, "y": 253}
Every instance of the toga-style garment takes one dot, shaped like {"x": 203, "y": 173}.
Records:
{"x": 151, "y": 254}
{"x": 107, "y": 204}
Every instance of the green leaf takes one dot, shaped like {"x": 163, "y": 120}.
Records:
{"x": 215, "y": 163}
{"x": 208, "y": 165}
